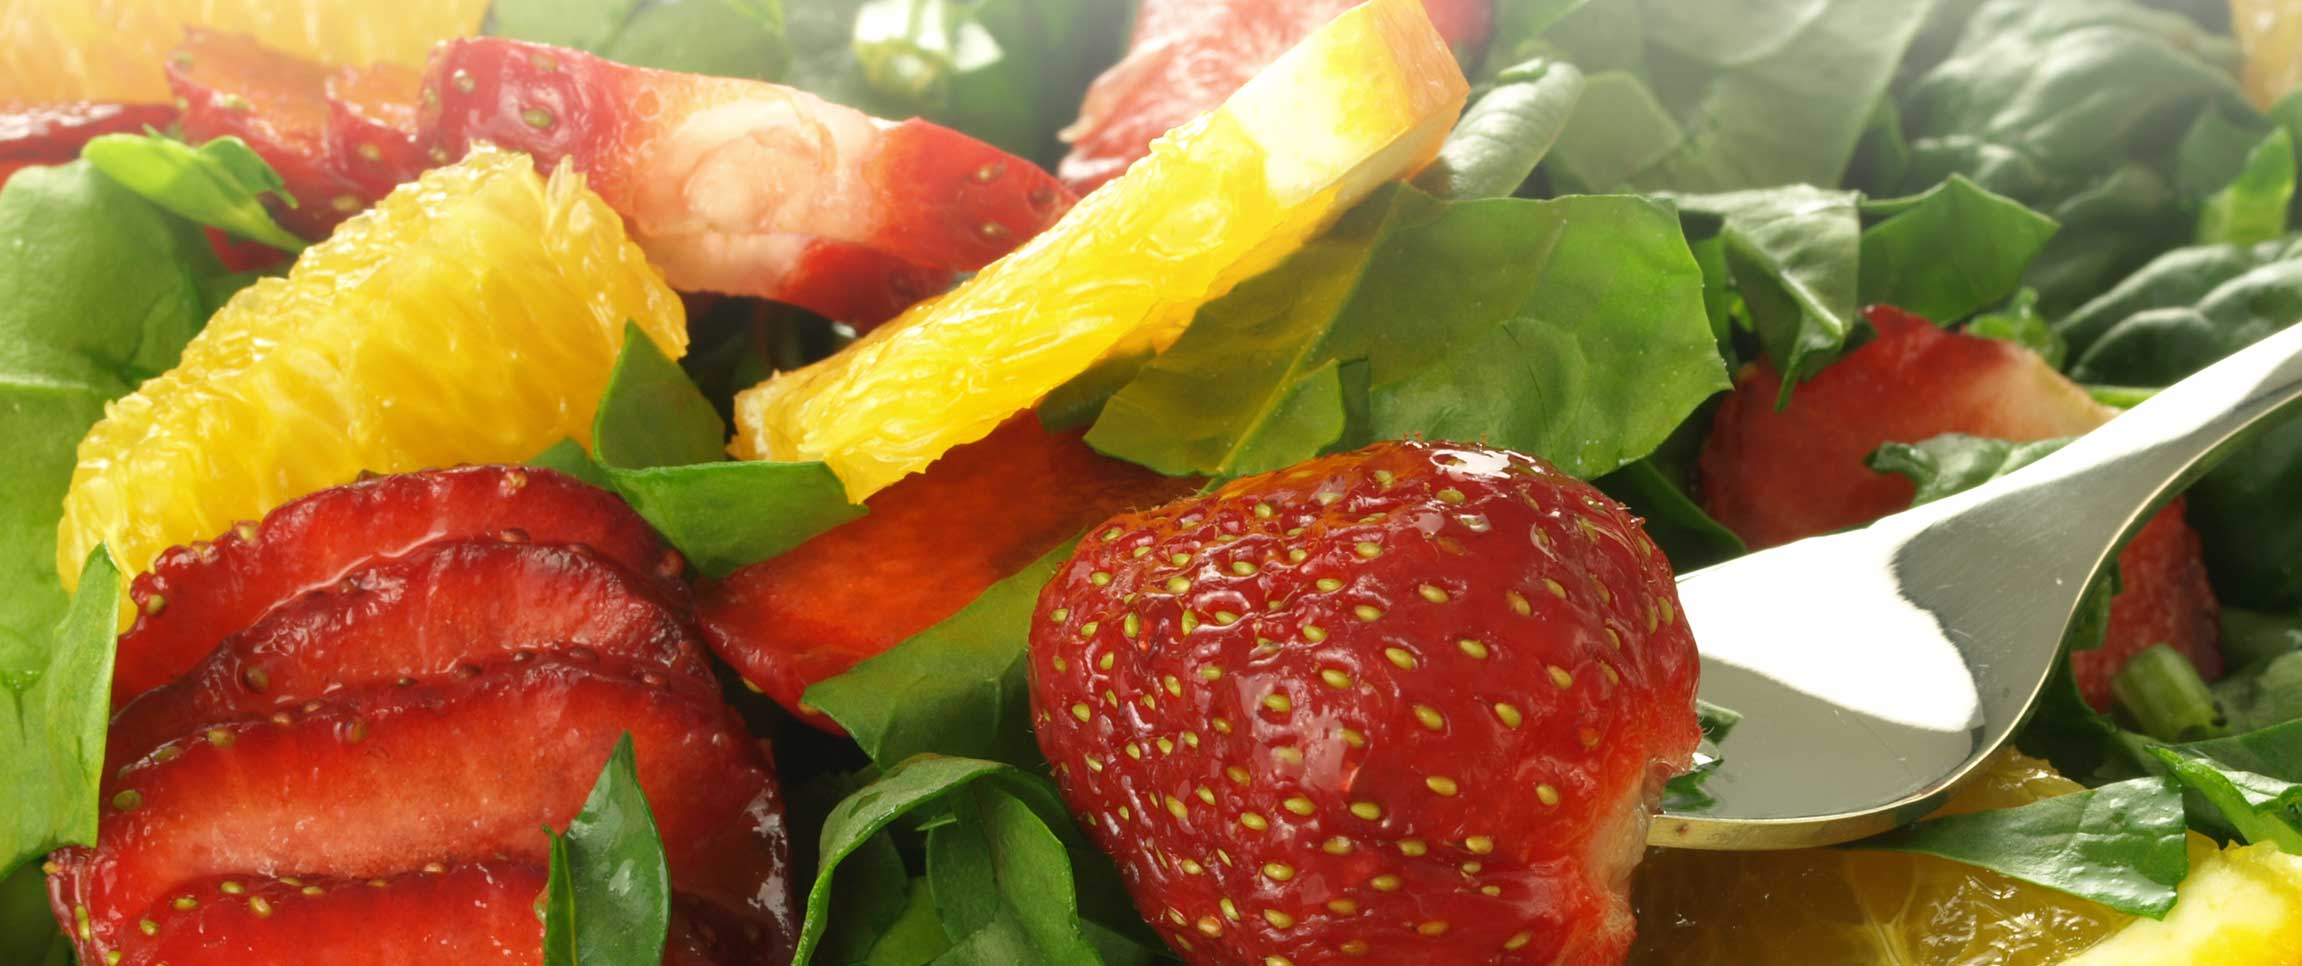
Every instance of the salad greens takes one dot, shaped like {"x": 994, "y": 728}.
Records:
{"x": 221, "y": 183}
{"x": 1505, "y": 133}
{"x": 2120, "y": 845}
{"x": 731, "y": 38}
{"x": 52, "y": 720}
{"x": 608, "y": 899}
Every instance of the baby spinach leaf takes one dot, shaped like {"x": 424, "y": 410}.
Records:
{"x": 2120, "y": 845}
{"x": 2259, "y": 808}
{"x": 729, "y": 38}
{"x": 1518, "y": 34}
{"x": 2275, "y": 751}
{"x": 1686, "y": 534}
{"x": 1011, "y": 72}
{"x": 1504, "y": 135}
{"x": 651, "y": 414}
{"x": 2177, "y": 279}
{"x": 568, "y": 456}
{"x": 221, "y": 184}
{"x": 2253, "y": 208}
{"x": 1955, "y": 462}
{"x": 1002, "y": 884}
{"x": 28, "y": 933}
{"x": 961, "y": 687}
{"x": 725, "y": 515}
{"x": 869, "y": 904}
{"x": 2019, "y": 322}
{"x": 1572, "y": 329}
{"x": 2252, "y": 638}
{"x": 52, "y": 721}
{"x": 1795, "y": 258}
{"x": 608, "y": 898}
{"x": 2262, "y": 696}
{"x": 1951, "y": 251}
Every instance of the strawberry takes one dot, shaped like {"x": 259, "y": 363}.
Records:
{"x": 1413, "y": 703}
{"x": 1776, "y": 475}
{"x": 371, "y": 136}
{"x": 860, "y": 286}
{"x": 377, "y": 781}
{"x": 194, "y": 596}
{"x": 930, "y": 544}
{"x": 449, "y": 605}
{"x": 729, "y": 183}
{"x": 1188, "y": 55}
{"x": 53, "y": 134}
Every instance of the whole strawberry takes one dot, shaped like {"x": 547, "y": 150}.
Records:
{"x": 1408, "y": 704}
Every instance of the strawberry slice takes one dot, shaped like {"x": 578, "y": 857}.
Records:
{"x": 1774, "y": 476}
{"x": 720, "y": 178}
{"x": 930, "y": 544}
{"x": 1188, "y": 55}
{"x": 53, "y": 134}
{"x": 375, "y": 782}
{"x": 446, "y": 608}
{"x": 843, "y": 281}
{"x": 194, "y": 596}
{"x": 371, "y": 135}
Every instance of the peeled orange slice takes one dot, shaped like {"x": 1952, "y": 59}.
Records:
{"x": 2241, "y": 906}
{"x": 1365, "y": 99}
{"x": 2270, "y": 35}
{"x": 471, "y": 316}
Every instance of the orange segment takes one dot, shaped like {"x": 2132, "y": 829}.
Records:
{"x": 470, "y": 317}
{"x": 2270, "y": 34}
{"x": 111, "y": 50}
{"x": 1363, "y": 100}
{"x": 2241, "y": 906}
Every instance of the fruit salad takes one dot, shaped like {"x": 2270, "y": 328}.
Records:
{"x": 621, "y": 482}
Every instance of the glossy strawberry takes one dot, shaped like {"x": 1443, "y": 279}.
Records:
{"x": 853, "y": 284}
{"x": 729, "y": 184}
{"x": 194, "y": 596}
{"x": 372, "y": 126}
{"x": 53, "y": 134}
{"x": 1411, "y": 704}
{"x": 931, "y": 544}
{"x": 1188, "y": 55}
{"x": 377, "y": 781}
{"x": 1776, "y": 475}
{"x": 446, "y": 607}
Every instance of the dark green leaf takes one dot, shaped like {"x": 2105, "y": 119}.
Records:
{"x": 2120, "y": 845}
{"x": 1002, "y": 882}
{"x": 1686, "y": 534}
{"x": 2275, "y": 751}
{"x": 915, "y": 938}
{"x": 1954, "y": 462}
{"x": 2263, "y": 695}
{"x": 868, "y": 904}
{"x": 1717, "y": 721}
{"x": 651, "y": 414}
{"x": 1518, "y": 34}
{"x": 608, "y": 901}
{"x": 221, "y": 184}
{"x": 567, "y": 456}
{"x": 2251, "y": 638}
{"x": 961, "y": 687}
{"x": 1952, "y": 251}
{"x": 731, "y": 38}
{"x": 1572, "y": 329}
{"x": 2253, "y": 208}
{"x": 2178, "y": 279}
{"x": 1011, "y": 72}
{"x": 1501, "y": 138}
{"x": 2259, "y": 808}
{"x": 725, "y": 515}
{"x": 28, "y": 933}
{"x": 52, "y": 721}
{"x": 1794, "y": 254}
{"x": 2019, "y": 322}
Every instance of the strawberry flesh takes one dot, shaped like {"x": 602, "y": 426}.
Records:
{"x": 448, "y": 606}
{"x": 53, "y": 134}
{"x": 372, "y": 126}
{"x": 196, "y": 595}
{"x": 1412, "y": 703}
{"x": 860, "y": 286}
{"x": 930, "y": 544}
{"x": 1776, "y": 475}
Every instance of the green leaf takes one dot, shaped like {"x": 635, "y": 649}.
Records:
{"x": 1951, "y": 251}
{"x": 2262, "y": 696}
{"x": 1686, "y": 534}
{"x": 1955, "y": 462}
{"x": 651, "y": 414}
{"x": 868, "y": 906}
{"x": 608, "y": 901}
{"x": 2253, "y": 208}
{"x": 221, "y": 184}
{"x": 568, "y": 456}
{"x": 1794, "y": 254}
{"x": 729, "y": 38}
{"x": 1572, "y": 329}
{"x": 52, "y": 722}
{"x": 28, "y": 933}
{"x": 2259, "y": 808}
{"x": 960, "y": 688}
{"x": 2252, "y": 638}
{"x": 103, "y": 291}
{"x": 1504, "y": 135}
{"x": 1518, "y": 35}
{"x": 2019, "y": 322}
{"x": 2159, "y": 690}
{"x": 1002, "y": 884}
{"x": 2178, "y": 279}
{"x": 725, "y": 515}
{"x": 2120, "y": 845}
{"x": 1011, "y": 72}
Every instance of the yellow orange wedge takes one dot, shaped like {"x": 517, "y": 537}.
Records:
{"x": 1365, "y": 99}
{"x": 2241, "y": 906}
{"x": 472, "y": 316}
{"x": 112, "y": 50}
{"x": 2270, "y": 35}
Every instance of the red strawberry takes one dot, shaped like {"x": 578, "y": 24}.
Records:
{"x": 1774, "y": 476}
{"x": 1188, "y": 55}
{"x": 728, "y": 183}
{"x": 372, "y": 126}
{"x": 53, "y": 134}
{"x": 860, "y": 286}
{"x": 449, "y": 605}
{"x": 931, "y": 543}
{"x": 195, "y": 595}
{"x": 1413, "y": 703}
{"x": 374, "y": 782}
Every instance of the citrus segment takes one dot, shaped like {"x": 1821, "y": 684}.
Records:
{"x": 471, "y": 316}
{"x": 1363, "y": 100}
{"x": 2270, "y": 35}
{"x": 2241, "y": 906}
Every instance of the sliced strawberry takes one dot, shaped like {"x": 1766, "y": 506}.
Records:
{"x": 241, "y": 255}
{"x": 1188, "y": 55}
{"x": 720, "y": 179}
{"x": 376, "y": 782}
{"x": 1774, "y": 476}
{"x": 53, "y": 134}
{"x": 372, "y": 126}
{"x": 446, "y": 608}
{"x": 194, "y": 596}
{"x": 860, "y": 286}
{"x": 1412, "y": 704}
{"x": 930, "y": 544}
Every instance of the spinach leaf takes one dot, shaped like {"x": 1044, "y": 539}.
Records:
{"x": 869, "y": 903}
{"x": 651, "y": 414}
{"x": 2259, "y": 808}
{"x": 1794, "y": 255}
{"x": 730, "y": 38}
{"x": 52, "y": 721}
{"x": 2262, "y": 696}
{"x": 28, "y": 933}
{"x": 961, "y": 687}
{"x": 2253, "y": 208}
{"x": 1011, "y": 72}
{"x": 1518, "y": 35}
{"x": 221, "y": 183}
{"x": 1690, "y": 97}
{"x": 822, "y": 33}
{"x": 2252, "y": 638}
{"x": 1950, "y": 252}
{"x": 104, "y": 289}
{"x": 1954, "y": 462}
{"x": 2177, "y": 279}
{"x": 1572, "y": 329}
{"x": 1002, "y": 884}
{"x": 1686, "y": 534}
{"x": 725, "y": 515}
{"x": 2275, "y": 751}
{"x": 2019, "y": 322}
{"x": 1504, "y": 135}
{"x": 608, "y": 898}
{"x": 2120, "y": 845}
